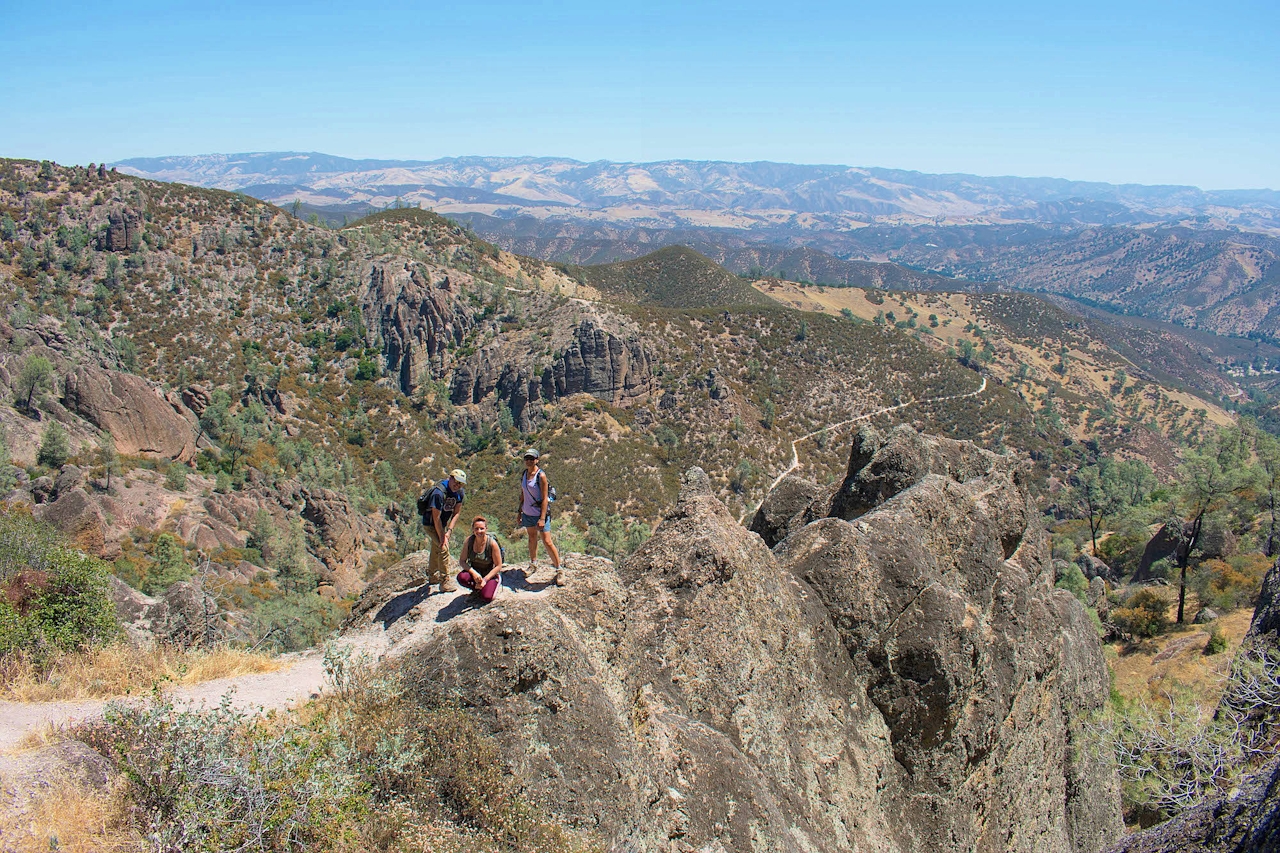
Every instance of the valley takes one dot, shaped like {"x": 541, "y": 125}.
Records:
{"x": 223, "y": 411}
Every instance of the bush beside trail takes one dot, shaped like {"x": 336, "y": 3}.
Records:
{"x": 368, "y": 767}
{"x": 52, "y": 597}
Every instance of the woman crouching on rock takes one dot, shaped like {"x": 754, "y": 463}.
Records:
{"x": 481, "y": 561}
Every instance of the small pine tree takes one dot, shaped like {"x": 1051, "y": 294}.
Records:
{"x": 107, "y": 457}
{"x": 36, "y": 376}
{"x": 54, "y": 446}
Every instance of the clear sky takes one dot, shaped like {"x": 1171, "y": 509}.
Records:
{"x": 1120, "y": 91}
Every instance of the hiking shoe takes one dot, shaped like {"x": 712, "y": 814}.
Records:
{"x": 560, "y": 581}
{"x": 449, "y": 585}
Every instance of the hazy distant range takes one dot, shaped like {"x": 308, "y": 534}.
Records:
{"x": 707, "y": 194}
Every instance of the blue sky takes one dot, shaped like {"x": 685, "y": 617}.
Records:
{"x": 1143, "y": 92}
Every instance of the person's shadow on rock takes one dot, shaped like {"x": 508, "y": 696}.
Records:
{"x": 400, "y": 605}
{"x": 461, "y": 604}
{"x": 518, "y": 579}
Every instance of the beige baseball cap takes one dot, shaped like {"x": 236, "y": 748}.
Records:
{"x": 459, "y": 475}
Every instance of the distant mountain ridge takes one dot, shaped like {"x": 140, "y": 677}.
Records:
{"x": 743, "y": 195}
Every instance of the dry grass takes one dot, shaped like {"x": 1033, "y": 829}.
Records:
{"x": 1145, "y": 669}
{"x": 70, "y": 817}
{"x": 119, "y": 670}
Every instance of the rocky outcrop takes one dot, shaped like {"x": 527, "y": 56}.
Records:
{"x": 596, "y": 362}
{"x": 79, "y": 517}
{"x": 1244, "y": 820}
{"x": 603, "y": 365}
{"x": 906, "y": 681}
{"x": 942, "y": 591}
{"x": 184, "y": 615}
{"x": 123, "y": 232}
{"x": 1165, "y": 544}
{"x": 142, "y": 617}
{"x": 141, "y": 421}
{"x": 1265, "y": 626}
{"x": 1091, "y": 567}
{"x": 416, "y": 309}
{"x": 342, "y": 539}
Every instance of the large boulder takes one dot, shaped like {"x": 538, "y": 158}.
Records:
{"x": 1164, "y": 544}
{"x": 79, "y": 517}
{"x": 139, "y": 418}
{"x": 787, "y": 508}
{"x": 906, "y": 681}
{"x": 984, "y": 674}
{"x": 1092, "y": 567}
{"x": 142, "y": 617}
{"x": 341, "y": 537}
{"x": 193, "y": 617}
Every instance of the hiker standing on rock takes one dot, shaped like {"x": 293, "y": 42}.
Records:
{"x": 535, "y": 513}
{"x": 481, "y": 561}
{"x": 439, "y": 508}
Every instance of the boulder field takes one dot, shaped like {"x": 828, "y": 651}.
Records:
{"x": 896, "y": 674}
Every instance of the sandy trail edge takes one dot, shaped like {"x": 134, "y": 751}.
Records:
{"x": 301, "y": 677}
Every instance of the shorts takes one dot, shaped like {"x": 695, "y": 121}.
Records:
{"x": 527, "y": 521}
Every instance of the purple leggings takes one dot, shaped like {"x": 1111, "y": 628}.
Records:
{"x": 489, "y": 590}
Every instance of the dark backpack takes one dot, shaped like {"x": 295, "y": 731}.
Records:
{"x": 424, "y": 510}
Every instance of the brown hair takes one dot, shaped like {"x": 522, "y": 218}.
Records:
{"x": 479, "y": 518}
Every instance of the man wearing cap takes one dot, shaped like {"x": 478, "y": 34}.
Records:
{"x": 439, "y": 509}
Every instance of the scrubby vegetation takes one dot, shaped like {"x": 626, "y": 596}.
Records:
{"x": 52, "y": 597}
{"x": 372, "y": 766}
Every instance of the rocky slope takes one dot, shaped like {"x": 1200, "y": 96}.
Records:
{"x": 897, "y": 674}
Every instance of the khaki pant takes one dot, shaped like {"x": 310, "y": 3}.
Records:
{"x": 438, "y": 561}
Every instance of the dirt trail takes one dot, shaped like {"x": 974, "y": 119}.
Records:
{"x": 795, "y": 453}
{"x": 298, "y": 680}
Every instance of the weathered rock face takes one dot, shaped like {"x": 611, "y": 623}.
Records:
{"x": 142, "y": 617}
{"x": 141, "y": 421}
{"x": 124, "y": 230}
{"x": 416, "y": 309}
{"x": 596, "y": 362}
{"x": 942, "y": 595}
{"x": 907, "y": 681}
{"x": 1265, "y": 627}
{"x": 603, "y": 365}
{"x": 341, "y": 536}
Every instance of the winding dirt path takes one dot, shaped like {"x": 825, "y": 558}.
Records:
{"x": 302, "y": 675}
{"x": 795, "y": 452}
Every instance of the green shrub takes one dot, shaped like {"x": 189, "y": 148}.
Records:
{"x": 1217, "y": 641}
{"x": 51, "y": 596}
{"x": 169, "y": 565}
{"x": 1230, "y": 583}
{"x": 1144, "y": 614}
{"x": 294, "y": 620}
{"x": 54, "y": 446}
{"x": 1073, "y": 581}
{"x": 175, "y": 479}
{"x": 368, "y": 767}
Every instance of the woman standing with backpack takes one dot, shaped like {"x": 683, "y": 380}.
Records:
{"x": 535, "y": 512}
